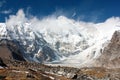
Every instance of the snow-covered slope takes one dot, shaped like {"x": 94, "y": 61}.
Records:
{"x": 77, "y": 42}
{"x": 32, "y": 44}
{"x": 60, "y": 39}
{"x": 67, "y": 36}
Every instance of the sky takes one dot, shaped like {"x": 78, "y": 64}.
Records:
{"x": 84, "y": 10}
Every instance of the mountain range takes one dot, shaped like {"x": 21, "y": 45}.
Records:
{"x": 90, "y": 51}
{"x": 63, "y": 42}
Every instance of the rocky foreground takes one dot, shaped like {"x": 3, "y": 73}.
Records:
{"x": 19, "y": 70}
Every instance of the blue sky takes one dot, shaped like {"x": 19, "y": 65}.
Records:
{"x": 85, "y": 10}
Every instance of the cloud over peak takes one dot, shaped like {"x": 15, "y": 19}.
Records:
{"x": 18, "y": 18}
{"x": 55, "y": 23}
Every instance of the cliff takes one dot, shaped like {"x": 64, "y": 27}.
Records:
{"x": 110, "y": 56}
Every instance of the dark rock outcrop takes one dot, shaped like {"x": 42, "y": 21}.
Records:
{"x": 10, "y": 50}
{"x": 2, "y": 64}
{"x": 111, "y": 54}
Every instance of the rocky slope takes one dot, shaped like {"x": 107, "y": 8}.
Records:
{"x": 10, "y": 50}
{"x": 36, "y": 71}
{"x": 110, "y": 56}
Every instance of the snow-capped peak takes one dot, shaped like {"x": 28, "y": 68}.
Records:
{"x": 77, "y": 41}
{"x": 31, "y": 43}
{"x": 61, "y": 38}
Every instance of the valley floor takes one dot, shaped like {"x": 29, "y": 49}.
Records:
{"x": 19, "y": 70}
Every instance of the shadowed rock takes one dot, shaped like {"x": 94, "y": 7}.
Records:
{"x": 2, "y": 64}
{"x": 10, "y": 50}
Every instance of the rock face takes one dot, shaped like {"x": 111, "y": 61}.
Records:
{"x": 10, "y": 50}
{"x": 110, "y": 56}
{"x": 2, "y": 64}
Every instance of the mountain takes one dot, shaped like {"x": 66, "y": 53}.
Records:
{"x": 68, "y": 37}
{"x": 79, "y": 43}
{"x": 59, "y": 41}
{"x": 49, "y": 43}
{"x": 31, "y": 44}
{"x": 110, "y": 56}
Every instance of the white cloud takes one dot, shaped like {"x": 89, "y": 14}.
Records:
{"x": 62, "y": 23}
{"x": 18, "y": 18}
{"x": 74, "y": 14}
{"x": 28, "y": 10}
{"x": 6, "y": 11}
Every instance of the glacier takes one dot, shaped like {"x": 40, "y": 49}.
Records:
{"x": 59, "y": 41}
